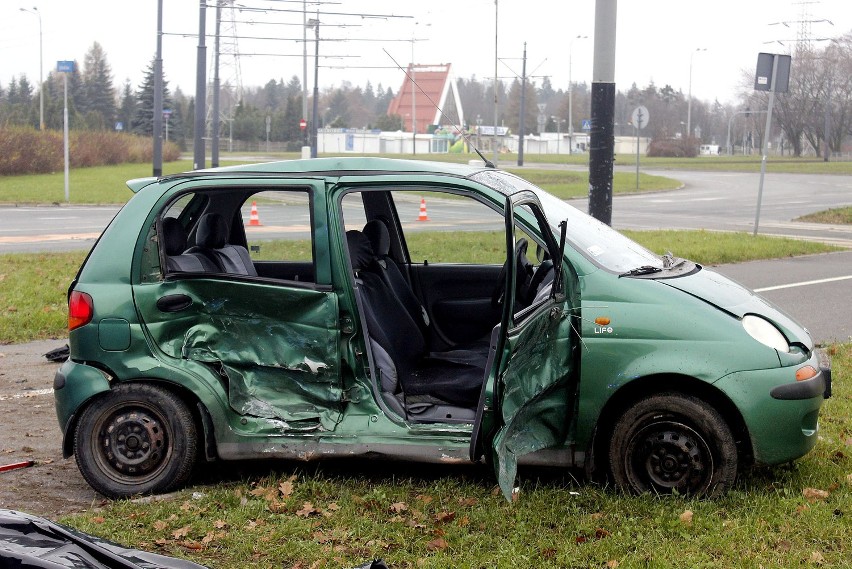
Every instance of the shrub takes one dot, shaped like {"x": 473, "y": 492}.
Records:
{"x": 674, "y": 147}
{"x": 28, "y": 151}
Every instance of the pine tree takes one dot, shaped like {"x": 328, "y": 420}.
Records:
{"x": 128, "y": 106}
{"x": 99, "y": 102}
{"x": 143, "y": 118}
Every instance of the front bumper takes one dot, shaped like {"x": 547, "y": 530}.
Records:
{"x": 779, "y": 412}
{"x": 820, "y": 384}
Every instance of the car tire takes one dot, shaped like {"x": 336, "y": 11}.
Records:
{"x": 673, "y": 443}
{"x": 136, "y": 439}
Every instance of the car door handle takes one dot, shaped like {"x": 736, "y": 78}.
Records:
{"x": 174, "y": 303}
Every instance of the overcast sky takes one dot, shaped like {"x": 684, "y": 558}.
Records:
{"x": 655, "y": 39}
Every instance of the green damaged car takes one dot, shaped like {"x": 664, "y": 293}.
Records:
{"x": 421, "y": 311}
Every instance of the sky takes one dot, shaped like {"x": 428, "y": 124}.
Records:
{"x": 656, "y": 40}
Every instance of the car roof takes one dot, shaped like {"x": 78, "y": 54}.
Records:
{"x": 326, "y": 167}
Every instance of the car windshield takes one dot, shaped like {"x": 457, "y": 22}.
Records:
{"x": 599, "y": 242}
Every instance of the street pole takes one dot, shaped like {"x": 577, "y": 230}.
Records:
{"x": 523, "y": 108}
{"x": 730, "y": 120}
{"x": 571, "y": 95}
{"x": 65, "y": 138}
{"x": 305, "y": 71}
{"x": 495, "y": 81}
{"x": 602, "y": 139}
{"x": 158, "y": 95}
{"x": 200, "y": 89}
{"x": 765, "y": 145}
{"x": 314, "y": 125}
{"x": 413, "y": 104}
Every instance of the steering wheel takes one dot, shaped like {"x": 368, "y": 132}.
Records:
{"x": 522, "y": 265}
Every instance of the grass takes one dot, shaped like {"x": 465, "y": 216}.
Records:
{"x": 837, "y": 216}
{"x": 96, "y": 185}
{"x": 336, "y": 515}
{"x": 575, "y": 184}
{"x": 33, "y": 287}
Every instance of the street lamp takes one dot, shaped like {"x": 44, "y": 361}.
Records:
{"x": 40, "y": 68}
{"x": 571, "y": 95}
{"x": 689, "y": 96}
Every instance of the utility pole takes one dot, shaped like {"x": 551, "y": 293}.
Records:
{"x": 314, "y": 118}
{"x": 200, "y": 89}
{"x": 158, "y": 95}
{"x": 602, "y": 139}
{"x": 523, "y": 108}
{"x": 495, "y": 82}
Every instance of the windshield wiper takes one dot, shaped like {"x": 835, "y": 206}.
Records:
{"x": 643, "y": 270}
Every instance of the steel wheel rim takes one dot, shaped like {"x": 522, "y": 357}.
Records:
{"x": 132, "y": 443}
{"x": 667, "y": 455}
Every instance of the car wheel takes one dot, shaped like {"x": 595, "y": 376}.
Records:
{"x": 673, "y": 443}
{"x": 135, "y": 439}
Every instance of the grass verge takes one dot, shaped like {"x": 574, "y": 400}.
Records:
{"x": 444, "y": 516}
{"x": 838, "y": 216}
{"x": 33, "y": 287}
{"x": 567, "y": 184}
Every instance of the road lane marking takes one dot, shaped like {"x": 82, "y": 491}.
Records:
{"x": 803, "y": 283}
{"x": 42, "y": 238}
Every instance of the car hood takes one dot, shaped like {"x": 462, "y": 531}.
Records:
{"x": 737, "y": 300}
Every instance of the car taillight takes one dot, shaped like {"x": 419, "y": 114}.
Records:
{"x": 81, "y": 308}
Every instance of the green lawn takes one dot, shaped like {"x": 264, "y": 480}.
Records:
{"x": 837, "y": 216}
{"x": 343, "y": 514}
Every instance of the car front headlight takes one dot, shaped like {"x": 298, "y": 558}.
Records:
{"x": 765, "y": 332}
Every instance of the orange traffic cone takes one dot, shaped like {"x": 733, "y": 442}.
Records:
{"x": 423, "y": 215}
{"x": 253, "y": 218}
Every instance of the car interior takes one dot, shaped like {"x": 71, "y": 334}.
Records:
{"x": 430, "y": 327}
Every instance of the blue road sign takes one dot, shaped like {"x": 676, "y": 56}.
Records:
{"x": 65, "y": 66}
{"x": 587, "y": 124}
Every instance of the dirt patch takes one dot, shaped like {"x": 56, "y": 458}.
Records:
{"x": 29, "y": 431}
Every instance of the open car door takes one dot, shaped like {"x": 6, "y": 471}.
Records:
{"x": 528, "y": 400}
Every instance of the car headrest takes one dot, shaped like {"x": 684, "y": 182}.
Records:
{"x": 377, "y": 232}
{"x": 360, "y": 251}
{"x": 174, "y": 237}
{"x": 212, "y": 231}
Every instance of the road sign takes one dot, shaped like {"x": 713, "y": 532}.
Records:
{"x": 303, "y": 124}
{"x": 640, "y": 116}
{"x": 587, "y": 124}
{"x": 65, "y": 66}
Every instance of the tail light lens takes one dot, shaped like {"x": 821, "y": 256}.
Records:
{"x": 81, "y": 308}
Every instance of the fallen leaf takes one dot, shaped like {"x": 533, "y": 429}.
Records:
{"x": 333, "y": 507}
{"x": 396, "y": 519}
{"x": 601, "y": 533}
{"x": 814, "y": 494}
{"x": 612, "y": 564}
{"x": 208, "y": 538}
{"x": 306, "y": 510}
{"x": 98, "y": 520}
{"x": 190, "y": 544}
{"x": 378, "y": 543}
{"x": 596, "y": 516}
{"x": 445, "y": 517}
{"x": 581, "y": 539}
{"x": 424, "y": 498}
{"x": 548, "y": 553}
{"x": 186, "y": 506}
{"x": 160, "y": 525}
{"x": 783, "y": 546}
{"x": 180, "y": 532}
{"x": 277, "y": 507}
{"x": 285, "y": 489}
{"x": 219, "y": 524}
{"x": 464, "y": 522}
{"x": 399, "y": 507}
{"x": 801, "y": 508}
{"x": 468, "y": 501}
{"x": 438, "y": 544}
{"x": 816, "y": 557}
{"x": 686, "y": 517}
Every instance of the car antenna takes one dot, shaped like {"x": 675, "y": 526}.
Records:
{"x": 488, "y": 163}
